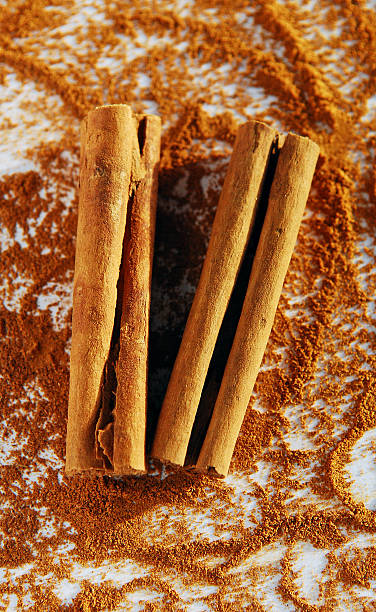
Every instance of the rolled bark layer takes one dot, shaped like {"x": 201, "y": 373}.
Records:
{"x": 231, "y": 229}
{"x": 111, "y": 170}
{"x": 131, "y": 370}
{"x": 287, "y": 199}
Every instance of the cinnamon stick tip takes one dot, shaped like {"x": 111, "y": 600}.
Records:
{"x": 280, "y": 138}
{"x": 303, "y": 139}
{"x": 166, "y": 462}
{"x": 102, "y": 116}
{"x": 149, "y": 118}
{"x": 208, "y": 470}
{"x": 256, "y": 125}
{"x": 95, "y": 472}
{"x": 128, "y": 471}
{"x": 116, "y": 106}
{"x": 125, "y": 107}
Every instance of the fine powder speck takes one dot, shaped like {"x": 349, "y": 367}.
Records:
{"x": 292, "y": 526}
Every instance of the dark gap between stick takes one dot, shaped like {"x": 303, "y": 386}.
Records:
{"x": 109, "y": 388}
{"x": 110, "y": 379}
{"x": 230, "y": 321}
{"x": 141, "y": 134}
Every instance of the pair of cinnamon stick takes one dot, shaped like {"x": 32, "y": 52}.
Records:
{"x": 267, "y": 166}
{"x": 108, "y": 385}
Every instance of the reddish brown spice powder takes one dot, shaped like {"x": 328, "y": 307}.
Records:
{"x": 184, "y": 64}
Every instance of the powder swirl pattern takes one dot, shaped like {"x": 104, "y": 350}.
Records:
{"x": 293, "y": 526}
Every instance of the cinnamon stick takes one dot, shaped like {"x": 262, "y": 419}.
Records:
{"x": 288, "y": 195}
{"x": 105, "y": 298}
{"x": 231, "y": 229}
{"x": 131, "y": 395}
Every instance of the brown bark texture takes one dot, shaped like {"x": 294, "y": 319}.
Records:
{"x": 117, "y": 205}
{"x": 231, "y": 229}
{"x": 287, "y": 199}
{"x": 131, "y": 371}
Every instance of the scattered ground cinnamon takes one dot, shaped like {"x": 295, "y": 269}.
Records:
{"x": 300, "y": 431}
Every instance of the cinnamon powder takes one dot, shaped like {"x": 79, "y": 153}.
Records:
{"x": 315, "y": 395}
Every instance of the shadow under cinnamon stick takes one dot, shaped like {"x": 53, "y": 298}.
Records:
{"x": 179, "y": 251}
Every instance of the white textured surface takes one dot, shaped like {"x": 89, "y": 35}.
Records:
{"x": 56, "y": 298}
